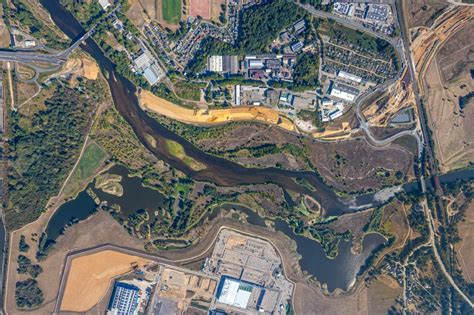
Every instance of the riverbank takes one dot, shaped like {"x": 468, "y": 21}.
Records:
{"x": 153, "y": 103}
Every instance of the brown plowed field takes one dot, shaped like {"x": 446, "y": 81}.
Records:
{"x": 200, "y": 8}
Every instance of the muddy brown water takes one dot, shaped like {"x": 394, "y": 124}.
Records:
{"x": 337, "y": 273}
{"x": 220, "y": 171}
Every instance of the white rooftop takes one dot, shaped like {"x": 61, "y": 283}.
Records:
{"x": 235, "y": 294}
{"x": 104, "y": 4}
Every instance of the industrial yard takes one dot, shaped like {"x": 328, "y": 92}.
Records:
{"x": 244, "y": 274}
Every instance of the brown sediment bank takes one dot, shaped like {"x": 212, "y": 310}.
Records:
{"x": 163, "y": 107}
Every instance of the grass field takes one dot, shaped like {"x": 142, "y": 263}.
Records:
{"x": 91, "y": 160}
{"x": 177, "y": 150}
{"x": 171, "y": 10}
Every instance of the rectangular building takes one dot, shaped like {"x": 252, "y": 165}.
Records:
{"x": 234, "y": 292}
{"x": 237, "y": 95}
{"x": 344, "y": 92}
{"x": 349, "y": 76}
{"x": 214, "y": 64}
{"x": 125, "y": 299}
{"x": 223, "y": 64}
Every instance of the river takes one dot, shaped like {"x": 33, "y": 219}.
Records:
{"x": 220, "y": 171}
{"x": 337, "y": 273}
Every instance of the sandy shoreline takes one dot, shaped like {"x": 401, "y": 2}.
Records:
{"x": 163, "y": 107}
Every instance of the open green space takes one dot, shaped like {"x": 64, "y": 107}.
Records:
{"x": 171, "y": 10}
{"x": 90, "y": 162}
{"x": 91, "y": 159}
{"x": 177, "y": 150}
{"x": 189, "y": 90}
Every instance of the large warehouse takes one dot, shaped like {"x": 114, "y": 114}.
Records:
{"x": 344, "y": 92}
{"x": 234, "y": 292}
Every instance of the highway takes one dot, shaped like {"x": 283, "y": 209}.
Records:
{"x": 35, "y": 57}
{"x": 429, "y": 152}
{"x": 52, "y": 59}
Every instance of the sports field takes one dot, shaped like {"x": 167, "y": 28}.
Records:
{"x": 171, "y": 11}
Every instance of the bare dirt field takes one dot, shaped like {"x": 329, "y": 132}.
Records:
{"x": 143, "y": 11}
{"x": 447, "y": 79}
{"x": 90, "y": 276}
{"x": 216, "y": 9}
{"x": 424, "y": 12}
{"x": 309, "y": 300}
{"x": 465, "y": 248}
{"x": 200, "y": 8}
{"x": 99, "y": 229}
{"x": 82, "y": 67}
{"x": 382, "y": 294}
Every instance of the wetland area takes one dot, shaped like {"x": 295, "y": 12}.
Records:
{"x": 336, "y": 273}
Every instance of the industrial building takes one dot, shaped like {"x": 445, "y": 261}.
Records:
{"x": 299, "y": 26}
{"x": 349, "y": 76}
{"x": 330, "y": 110}
{"x": 223, "y": 64}
{"x": 343, "y": 92}
{"x": 234, "y": 292}
{"x": 145, "y": 64}
{"x": 125, "y": 299}
{"x": 378, "y": 12}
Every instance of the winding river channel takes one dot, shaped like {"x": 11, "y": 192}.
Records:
{"x": 337, "y": 273}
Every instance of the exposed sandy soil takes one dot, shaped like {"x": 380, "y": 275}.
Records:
{"x": 465, "y": 248}
{"x": 82, "y": 67}
{"x": 214, "y": 116}
{"x": 99, "y": 229}
{"x": 90, "y": 276}
{"x": 200, "y": 8}
{"x": 448, "y": 78}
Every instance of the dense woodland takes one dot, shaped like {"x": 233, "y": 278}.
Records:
{"x": 44, "y": 146}
{"x": 261, "y": 24}
{"x": 28, "y": 294}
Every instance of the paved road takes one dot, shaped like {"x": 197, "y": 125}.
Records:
{"x": 348, "y": 23}
{"x": 54, "y": 59}
{"x": 429, "y": 151}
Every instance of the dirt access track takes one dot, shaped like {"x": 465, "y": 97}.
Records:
{"x": 445, "y": 76}
{"x": 163, "y": 107}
